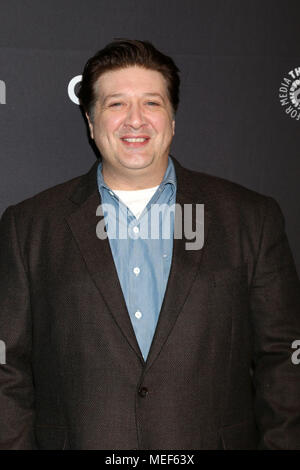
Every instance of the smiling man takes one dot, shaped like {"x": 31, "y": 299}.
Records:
{"x": 137, "y": 342}
{"x": 132, "y": 125}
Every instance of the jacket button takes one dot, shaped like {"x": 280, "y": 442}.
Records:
{"x": 143, "y": 391}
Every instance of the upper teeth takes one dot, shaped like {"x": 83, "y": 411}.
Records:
{"x": 139, "y": 139}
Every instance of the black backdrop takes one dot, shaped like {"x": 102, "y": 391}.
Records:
{"x": 233, "y": 56}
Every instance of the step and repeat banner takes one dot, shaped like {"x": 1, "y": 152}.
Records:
{"x": 239, "y": 114}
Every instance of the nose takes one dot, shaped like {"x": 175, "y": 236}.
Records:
{"x": 135, "y": 116}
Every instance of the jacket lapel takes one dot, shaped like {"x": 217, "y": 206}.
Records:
{"x": 97, "y": 254}
{"x": 185, "y": 264}
{"x": 100, "y": 264}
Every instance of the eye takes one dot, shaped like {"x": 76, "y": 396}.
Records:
{"x": 153, "y": 103}
{"x": 115, "y": 104}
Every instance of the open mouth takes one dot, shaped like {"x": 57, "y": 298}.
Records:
{"x": 135, "y": 141}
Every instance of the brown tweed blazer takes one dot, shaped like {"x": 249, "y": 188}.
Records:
{"x": 219, "y": 373}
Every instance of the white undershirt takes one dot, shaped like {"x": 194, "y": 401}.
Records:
{"x": 136, "y": 200}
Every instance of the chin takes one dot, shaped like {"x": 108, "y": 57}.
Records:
{"x": 136, "y": 162}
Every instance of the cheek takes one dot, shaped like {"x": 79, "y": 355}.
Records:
{"x": 161, "y": 124}
{"x": 108, "y": 124}
{"x": 166, "y": 127}
{"x": 112, "y": 126}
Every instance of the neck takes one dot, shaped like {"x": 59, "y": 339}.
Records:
{"x": 133, "y": 180}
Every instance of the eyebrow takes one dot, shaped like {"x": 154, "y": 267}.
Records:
{"x": 120, "y": 95}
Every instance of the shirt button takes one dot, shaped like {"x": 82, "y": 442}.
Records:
{"x": 110, "y": 192}
{"x": 136, "y": 271}
{"x": 143, "y": 392}
{"x": 136, "y": 229}
{"x": 164, "y": 256}
{"x": 138, "y": 314}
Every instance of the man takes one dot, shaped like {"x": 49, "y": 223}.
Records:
{"x": 140, "y": 343}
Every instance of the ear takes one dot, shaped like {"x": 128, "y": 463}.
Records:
{"x": 173, "y": 126}
{"x": 90, "y": 126}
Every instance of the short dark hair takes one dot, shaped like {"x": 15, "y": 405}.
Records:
{"x": 123, "y": 53}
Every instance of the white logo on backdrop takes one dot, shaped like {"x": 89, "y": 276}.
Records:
{"x": 71, "y": 88}
{"x": 2, "y": 92}
{"x": 289, "y": 93}
{"x": 2, "y": 352}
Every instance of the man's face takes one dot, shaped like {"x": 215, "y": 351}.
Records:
{"x": 132, "y": 103}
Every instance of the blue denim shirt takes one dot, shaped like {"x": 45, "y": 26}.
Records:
{"x": 142, "y": 262}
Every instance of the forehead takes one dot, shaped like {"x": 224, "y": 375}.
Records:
{"x": 131, "y": 80}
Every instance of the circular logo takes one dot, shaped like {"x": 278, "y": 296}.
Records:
{"x": 289, "y": 93}
{"x": 71, "y": 88}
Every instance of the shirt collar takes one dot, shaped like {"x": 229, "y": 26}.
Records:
{"x": 169, "y": 176}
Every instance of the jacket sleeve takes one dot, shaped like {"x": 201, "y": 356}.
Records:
{"x": 16, "y": 381}
{"x": 275, "y": 308}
